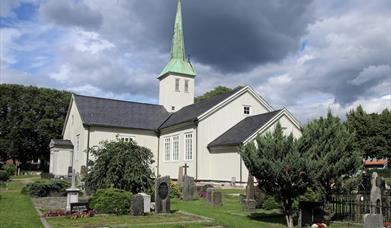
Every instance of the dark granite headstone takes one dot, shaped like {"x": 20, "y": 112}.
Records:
{"x": 83, "y": 171}
{"x": 188, "y": 188}
{"x": 180, "y": 176}
{"x": 310, "y": 213}
{"x": 79, "y": 207}
{"x": 217, "y": 199}
{"x": 137, "y": 205}
{"x": 162, "y": 195}
{"x": 210, "y": 192}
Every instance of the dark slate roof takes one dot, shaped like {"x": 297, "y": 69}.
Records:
{"x": 61, "y": 143}
{"x": 243, "y": 130}
{"x": 115, "y": 113}
{"x": 191, "y": 112}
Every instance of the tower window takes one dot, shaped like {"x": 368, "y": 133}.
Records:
{"x": 172, "y": 108}
{"x": 177, "y": 84}
{"x": 247, "y": 110}
{"x": 186, "y": 86}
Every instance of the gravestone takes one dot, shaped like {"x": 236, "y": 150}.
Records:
{"x": 147, "y": 202}
{"x": 310, "y": 213}
{"x": 249, "y": 202}
{"x": 210, "y": 192}
{"x": 375, "y": 218}
{"x": 188, "y": 188}
{"x": 373, "y": 221}
{"x": 217, "y": 199}
{"x": 233, "y": 181}
{"x": 376, "y": 195}
{"x": 137, "y": 205}
{"x": 180, "y": 176}
{"x": 72, "y": 193}
{"x": 162, "y": 195}
{"x": 204, "y": 187}
{"x": 83, "y": 171}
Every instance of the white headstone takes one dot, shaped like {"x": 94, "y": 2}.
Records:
{"x": 147, "y": 202}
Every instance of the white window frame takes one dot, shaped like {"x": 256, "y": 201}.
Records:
{"x": 188, "y": 156}
{"x": 177, "y": 84}
{"x": 244, "y": 110}
{"x": 175, "y": 148}
{"x": 126, "y": 138}
{"x": 167, "y": 149}
{"x": 187, "y": 85}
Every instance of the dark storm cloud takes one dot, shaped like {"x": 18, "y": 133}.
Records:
{"x": 67, "y": 13}
{"x": 229, "y": 35}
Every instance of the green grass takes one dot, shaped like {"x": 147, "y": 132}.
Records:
{"x": 126, "y": 219}
{"x": 16, "y": 209}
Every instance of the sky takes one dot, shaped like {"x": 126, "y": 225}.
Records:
{"x": 309, "y": 56}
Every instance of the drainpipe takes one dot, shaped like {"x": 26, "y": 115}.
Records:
{"x": 88, "y": 146}
{"x": 196, "y": 123}
{"x": 158, "y": 152}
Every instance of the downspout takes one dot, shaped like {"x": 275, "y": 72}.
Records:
{"x": 88, "y": 146}
{"x": 158, "y": 153}
{"x": 196, "y": 123}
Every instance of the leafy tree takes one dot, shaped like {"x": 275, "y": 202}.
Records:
{"x": 330, "y": 145}
{"x": 281, "y": 169}
{"x": 29, "y": 118}
{"x": 215, "y": 92}
{"x": 372, "y": 132}
{"x": 122, "y": 165}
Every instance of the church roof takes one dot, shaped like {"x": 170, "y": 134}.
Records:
{"x": 191, "y": 112}
{"x": 116, "y": 113}
{"x": 178, "y": 63}
{"x": 243, "y": 130}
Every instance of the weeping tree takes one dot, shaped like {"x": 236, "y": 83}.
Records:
{"x": 280, "y": 168}
{"x": 331, "y": 147}
{"x": 120, "y": 164}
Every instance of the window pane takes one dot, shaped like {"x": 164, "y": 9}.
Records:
{"x": 186, "y": 85}
{"x": 167, "y": 148}
{"x": 175, "y": 148}
{"x": 189, "y": 146}
{"x": 177, "y": 84}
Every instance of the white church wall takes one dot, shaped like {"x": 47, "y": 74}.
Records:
{"x": 210, "y": 166}
{"x": 60, "y": 159}
{"x": 229, "y": 157}
{"x": 171, "y": 167}
{"x": 143, "y": 138}
{"x": 168, "y": 96}
{"x": 77, "y": 133}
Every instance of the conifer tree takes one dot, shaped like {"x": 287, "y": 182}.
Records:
{"x": 279, "y": 167}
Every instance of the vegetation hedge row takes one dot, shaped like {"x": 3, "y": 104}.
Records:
{"x": 44, "y": 188}
{"x": 4, "y": 176}
{"x": 9, "y": 168}
{"x": 111, "y": 201}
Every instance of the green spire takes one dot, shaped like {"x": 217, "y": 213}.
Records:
{"x": 178, "y": 62}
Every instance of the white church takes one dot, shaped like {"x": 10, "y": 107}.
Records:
{"x": 206, "y": 135}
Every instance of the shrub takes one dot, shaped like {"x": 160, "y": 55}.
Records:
{"x": 111, "y": 201}
{"x": 175, "y": 191}
{"x": 270, "y": 203}
{"x": 4, "y": 176}
{"x": 9, "y": 168}
{"x": 44, "y": 188}
{"x": 47, "y": 175}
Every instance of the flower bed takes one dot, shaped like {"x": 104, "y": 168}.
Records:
{"x": 74, "y": 215}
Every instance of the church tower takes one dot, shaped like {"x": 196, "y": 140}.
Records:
{"x": 177, "y": 78}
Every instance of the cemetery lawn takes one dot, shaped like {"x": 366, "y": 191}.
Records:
{"x": 16, "y": 209}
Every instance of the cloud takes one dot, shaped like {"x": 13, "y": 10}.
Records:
{"x": 70, "y": 13}
{"x": 306, "y": 55}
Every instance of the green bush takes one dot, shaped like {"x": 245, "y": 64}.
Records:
{"x": 44, "y": 188}
{"x": 10, "y": 169}
{"x": 175, "y": 191}
{"x": 111, "y": 201}
{"x": 4, "y": 176}
{"x": 270, "y": 203}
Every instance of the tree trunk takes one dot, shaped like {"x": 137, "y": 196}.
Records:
{"x": 289, "y": 221}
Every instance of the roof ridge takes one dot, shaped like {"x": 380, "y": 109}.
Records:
{"x": 112, "y": 99}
